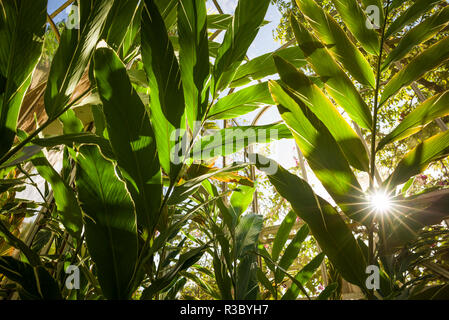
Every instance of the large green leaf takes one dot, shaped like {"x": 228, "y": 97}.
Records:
{"x": 282, "y": 235}
{"x": 339, "y": 44}
{"x": 431, "y": 109}
{"x": 194, "y": 57}
{"x": 131, "y": 136}
{"x": 72, "y": 57}
{"x": 419, "y": 34}
{"x": 418, "y": 159}
{"x": 327, "y": 226}
{"x": 231, "y": 140}
{"x": 242, "y": 31}
{"x": 326, "y": 112}
{"x": 241, "y": 102}
{"x": 66, "y": 203}
{"x": 263, "y": 66}
{"x": 111, "y": 227}
{"x": 241, "y": 198}
{"x": 413, "y": 12}
{"x": 22, "y": 26}
{"x": 337, "y": 83}
{"x": 166, "y": 95}
{"x": 303, "y": 276}
{"x": 424, "y": 62}
{"x": 247, "y": 233}
{"x": 355, "y": 19}
{"x": 321, "y": 151}
{"x": 35, "y": 282}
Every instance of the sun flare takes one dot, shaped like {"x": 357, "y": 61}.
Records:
{"x": 381, "y": 202}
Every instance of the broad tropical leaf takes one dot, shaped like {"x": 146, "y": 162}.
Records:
{"x": 431, "y": 109}
{"x": 412, "y": 214}
{"x": 194, "y": 57}
{"x": 231, "y": 140}
{"x": 111, "y": 227}
{"x": 131, "y": 136}
{"x": 321, "y": 151}
{"x": 219, "y": 21}
{"x": 325, "y": 111}
{"x": 379, "y": 5}
{"x": 282, "y": 235}
{"x": 241, "y": 102}
{"x": 337, "y": 83}
{"x": 303, "y": 276}
{"x": 291, "y": 252}
{"x": 166, "y": 95}
{"x": 241, "y": 198}
{"x": 77, "y": 139}
{"x": 66, "y": 203}
{"x": 418, "y": 159}
{"x": 328, "y": 228}
{"x": 120, "y": 17}
{"x": 247, "y": 233}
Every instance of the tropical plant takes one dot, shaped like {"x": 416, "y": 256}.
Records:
{"x": 117, "y": 210}
{"x": 350, "y": 57}
{"x": 151, "y": 202}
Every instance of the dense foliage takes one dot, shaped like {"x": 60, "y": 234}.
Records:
{"x": 158, "y": 196}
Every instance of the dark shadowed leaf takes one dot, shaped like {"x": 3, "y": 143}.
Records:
{"x": 131, "y": 136}
{"x": 111, "y": 226}
{"x": 167, "y": 97}
{"x": 22, "y": 26}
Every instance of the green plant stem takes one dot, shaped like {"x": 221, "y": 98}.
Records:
{"x": 22, "y": 144}
{"x": 371, "y": 252}
{"x": 376, "y": 101}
